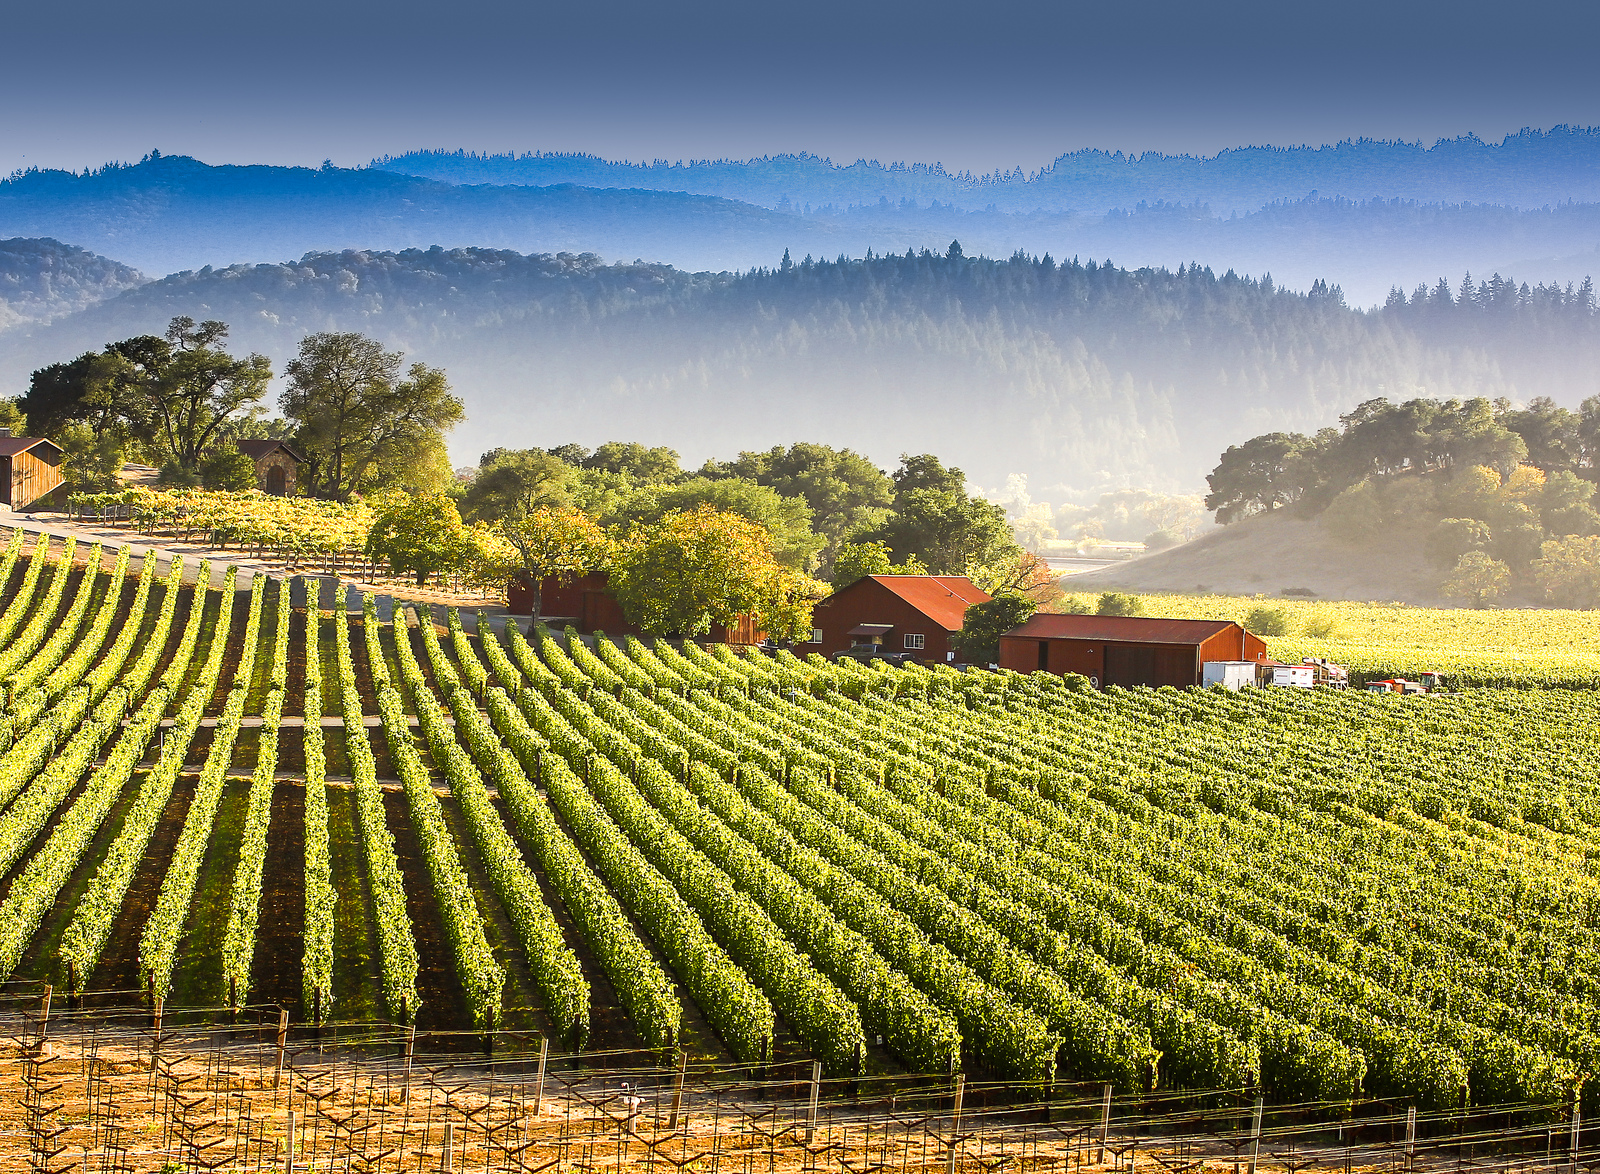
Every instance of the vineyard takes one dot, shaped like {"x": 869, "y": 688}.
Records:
{"x": 215, "y": 799}
{"x": 1515, "y": 648}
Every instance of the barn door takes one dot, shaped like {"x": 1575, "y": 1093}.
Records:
{"x": 1130, "y": 664}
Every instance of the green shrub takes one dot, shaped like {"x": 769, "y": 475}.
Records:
{"x": 1268, "y": 621}
{"x": 1119, "y": 603}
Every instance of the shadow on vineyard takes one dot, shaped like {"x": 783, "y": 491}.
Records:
{"x": 119, "y": 966}
{"x": 439, "y": 990}
{"x": 197, "y": 973}
{"x": 357, "y": 972}
{"x": 276, "y": 975}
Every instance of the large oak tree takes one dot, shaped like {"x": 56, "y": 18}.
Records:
{"x": 358, "y": 423}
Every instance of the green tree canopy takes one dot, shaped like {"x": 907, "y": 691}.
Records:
{"x": 180, "y": 395}
{"x": 194, "y": 387}
{"x": 936, "y": 523}
{"x": 688, "y": 571}
{"x": 558, "y": 543}
{"x": 512, "y": 483}
{"x": 228, "y": 469}
{"x": 1119, "y": 603}
{"x": 1478, "y": 579}
{"x": 984, "y": 624}
{"x": 854, "y": 561}
{"x": 358, "y": 423}
{"x": 644, "y": 466}
{"x": 1262, "y": 474}
{"x": 419, "y": 536}
{"x": 99, "y": 391}
{"x": 1568, "y": 571}
{"x": 844, "y": 489}
{"x": 787, "y": 520}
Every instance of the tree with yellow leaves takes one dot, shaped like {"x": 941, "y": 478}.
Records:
{"x": 702, "y": 567}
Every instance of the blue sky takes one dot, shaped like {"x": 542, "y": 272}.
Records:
{"x": 974, "y": 85}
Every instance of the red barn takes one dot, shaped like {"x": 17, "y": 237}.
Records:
{"x": 902, "y": 613}
{"x": 588, "y": 605}
{"x": 1126, "y": 650}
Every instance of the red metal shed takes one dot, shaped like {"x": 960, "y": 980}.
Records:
{"x": 588, "y": 605}
{"x": 903, "y": 613}
{"x": 1126, "y": 650}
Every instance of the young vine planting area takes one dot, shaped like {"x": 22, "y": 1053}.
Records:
{"x": 216, "y": 798}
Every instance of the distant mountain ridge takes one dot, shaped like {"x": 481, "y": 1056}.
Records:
{"x": 172, "y": 213}
{"x": 1081, "y": 377}
{"x": 1529, "y": 169}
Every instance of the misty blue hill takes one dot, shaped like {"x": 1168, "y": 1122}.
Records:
{"x": 41, "y": 279}
{"x": 1081, "y": 376}
{"x": 1526, "y": 170}
{"x": 172, "y": 213}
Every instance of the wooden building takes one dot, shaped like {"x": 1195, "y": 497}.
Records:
{"x": 1127, "y": 650}
{"x": 30, "y": 470}
{"x": 277, "y": 465}
{"x": 900, "y": 613}
{"x": 588, "y": 605}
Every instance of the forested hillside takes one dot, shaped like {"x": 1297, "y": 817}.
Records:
{"x": 1525, "y": 170}
{"x": 1080, "y": 376}
{"x": 45, "y": 279}
{"x": 170, "y": 213}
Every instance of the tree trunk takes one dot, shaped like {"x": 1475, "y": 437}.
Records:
{"x": 422, "y": 578}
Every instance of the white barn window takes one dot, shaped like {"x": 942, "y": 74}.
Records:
{"x": 915, "y": 640}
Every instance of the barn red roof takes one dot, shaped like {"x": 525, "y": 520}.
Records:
{"x": 944, "y": 599}
{"x": 10, "y": 446}
{"x": 1120, "y": 629}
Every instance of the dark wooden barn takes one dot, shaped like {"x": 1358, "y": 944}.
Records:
{"x": 588, "y": 605}
{"x": 901, "y": 613}
{"x": 30, "y": 469}
{"x": 1126, "y": 650}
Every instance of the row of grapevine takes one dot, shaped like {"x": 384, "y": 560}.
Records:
{"x": 22, "y": 602}
{"x": 239, "y": 939}
{"x": 1309, "y": 1063}
{"x": 741, "y": 1014}
{"x": 92, "y": 918}
{"x": 34, "y": 891}
{"x": 820, "y": 1014}
{"x": 64, "y": 633}
{"x": 397, "y": 946}
{"x": 43, "y": 620}
{"x": 967, "y": 913}
{"x": 922, "y": 1035}
{"x": 1004, "y": 1034}
{"x": 28, "y": 704}
{"x": 1498, "y": 1066}
{"x": 554, "y": 965}
{"x": 501, "y": 750}
{"x": 316, "y": 959}
{"x": 482, "y": 978}
{"x": 158, "y": 944}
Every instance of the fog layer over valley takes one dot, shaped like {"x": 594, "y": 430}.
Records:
{"x": 1079, "y": 376}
